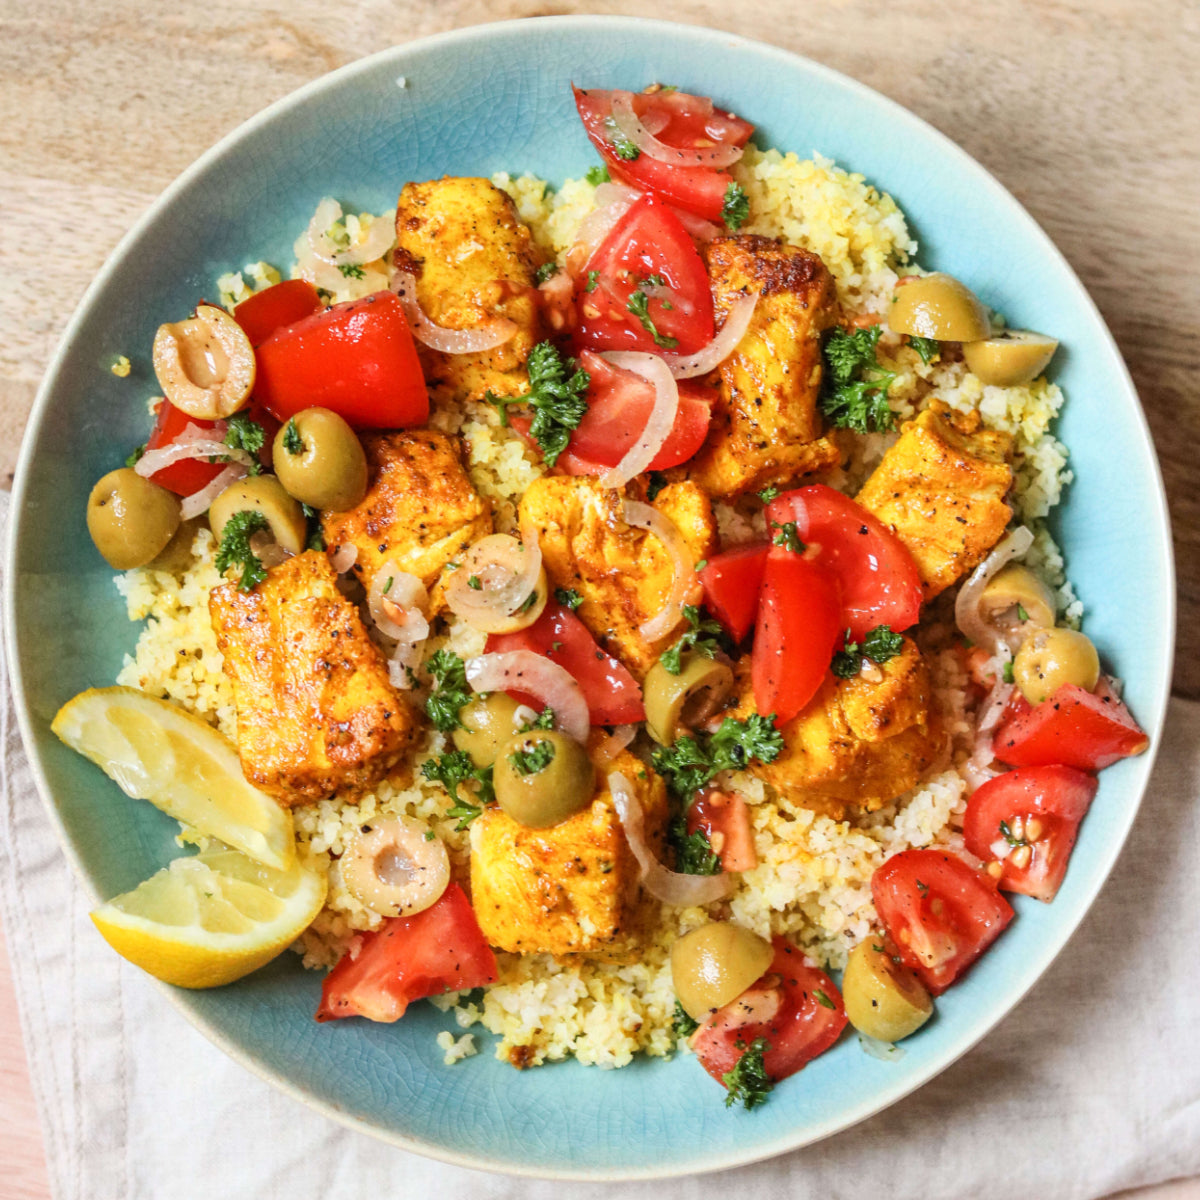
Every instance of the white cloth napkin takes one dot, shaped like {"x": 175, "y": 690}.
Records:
{"x": 1091, "y": 1086}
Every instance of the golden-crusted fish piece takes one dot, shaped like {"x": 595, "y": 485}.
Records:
{"x": 572, "y": 888}
{"x": 473, "y": 260}
{"x": 766, "y": 428}
{"x": 623, "y": 573}
{"x": 315, "y": 711}
{"x": 941, "y": 488}
{"x": 421, "y": 505}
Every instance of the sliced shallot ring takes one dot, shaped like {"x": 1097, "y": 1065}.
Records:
{"x": 723, "y": 154}
{"x": 198, "y": 502}
{"x": 613, "y": 201}
{"x": 662, "y": 416}
{"x": 535, "y": 674}
{"x": 397, "y": 602}
{"x": 612, "y": 745}
{"x": 671, "y": 887}
{"x": 645, "y": 517}
{"x": 966, "y": 607}
{"x": 492, "y": 333}
{"x": 507, "y": 573}
{"x": 375, "y": 245}
{"x": 163, "y": 456}
{"x": 707, "y": 358}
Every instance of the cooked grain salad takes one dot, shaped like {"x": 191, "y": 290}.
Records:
{"x": 660, "y": 624}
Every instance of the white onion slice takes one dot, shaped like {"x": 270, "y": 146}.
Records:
{"x": 723, "y": 154}
{"x": 612, "y": 745}
{"x": 198, "y": 502}
{"x": 344, "y": 557}
{"x": 670, "y": 887}
{"x": 697, "y": 227}
{"x": 375, "y": 245}
{"x": 163, "y": 456}
{"x": 397, "y": 602}
{"x": 737, "y": 321}
{"x": 613, "y": 201}
{"x": 525, "y": 671}
{"x": 507, "y": 573}
{"x": 492, "y": 333}
{"x": 966, "y": 607}
{"x": 663, "y": 528}
{"x": 662, "y": 416}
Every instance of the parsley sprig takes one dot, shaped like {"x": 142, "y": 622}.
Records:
{"x": 748, "y": 1082}
{"x": 788, "y": 537}
{"x": 685, "y": 1026}
{"x": 704, "y": 636}
{"x": 694, "y": 761}
{"x": 293, "y": 443}
{"x": 736, "y": 207}
{"x": 639, "y": 305}
{"x": 532, "y": 756}
{"x": 880, "y": 645}
{"x": 450, "y": 691}
{"x": 694, "y": 854}
{"x": 244, "y": 434}
{"x": 925, "y": 347}
{"x": 452, "y": 770}
{"x": 568, "y": 597}
{"x": 854, "y": 395}
{"x": 234, "y": 550}
{"x": 558, "y": 396}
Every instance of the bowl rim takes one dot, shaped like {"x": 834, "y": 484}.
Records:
{"x": 639, "y": 26}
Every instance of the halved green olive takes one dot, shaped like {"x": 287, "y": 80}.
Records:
{"x": 319, "y": 460}
{"x": 883, "y": 998}
{"x": 715, "y": 964}
{"x": 938, "y": 306}
{"x": 543, "y": 777}
{"x": 205, "y": 364}
{"x": 487, "y": 723}
{"x": 1016, "y": 599}
{"x": 1012, "y": 357}
{"x": 264, "y": 494}
{"x": 1049, "y": 658}
{"x": 676, "y": 702}
{"x": 130, "y": 518}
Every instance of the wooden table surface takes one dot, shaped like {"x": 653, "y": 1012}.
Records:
{"x": 1087, "y": 111}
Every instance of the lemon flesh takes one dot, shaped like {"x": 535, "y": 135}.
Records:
{"x": 207, "y": 920}
{"x": 156, "y": 751}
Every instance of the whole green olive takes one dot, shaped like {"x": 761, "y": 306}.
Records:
{"x": 675, "y": 701}
{"x": 320, "y": 460}
{"x": 883, "y": 998}
{"x": 1048, "y": 658}
{"x": 487, "y": 723}
{"x": 543, "y": 777}
{"x": 264, "y": 494}
{"x": 938, "y": 306}
{"x": 130, "y": 518}
{"x": 1009, "y": 358}
{"x": 715, "y": 964}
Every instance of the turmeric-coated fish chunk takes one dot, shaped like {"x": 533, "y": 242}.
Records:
{"x": 473, "y": 260}
{"x": 941, "y": 488}
{"x": 570, "y": 889}
{"x": 623, "y": 573}
{"x": 315, "y": 711}
{"x": 421, "y": 510}
{"x": 766, "y": 428}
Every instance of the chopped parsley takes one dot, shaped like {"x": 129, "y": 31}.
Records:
{"x": 450, "y": 691}
{"x": 622, "y": 147}
{"x": 694, "y": 761}
{"x": 244, "y": 434}
{"x": 654, "y": 281}
{"x": 546, "y": 271}
{"x": 1009, "y": 677}
{"x": 452, "y": 770}
{"x": 1010, "y": 837}
{"x": 748, "y": 1082}
{"x": 351, "y": 270}
{"x": 638, "y": 304}
{"x": 925, "y": 347}
{"x": 544, "y": 720}
{"x": 135, "y": 455}
{"x": 658, "y": 481}
{"x": 1022, "y": 615}
{"x": 736, "y": 207}
{"x": 597, "y": 175}
{"x": 694, "y": 854}
{"x": 234, "y": 550}
{"x": 558, "y": 396}
{"x": 768, "y": 494}
{"x": 533, "y": 756}
{"x": 854, "y": 393}
{"x": 684, "y": 1025}
{"x": 593, "y": 280}
{"x": 529, "y": 601}
{"x": 316, "y": 535}
{"x": 474, "y": 583}
{"x": 788, "y": 537}
{"x": 880, "y": 645}
{"x": 568, "y": 597}
{"x": 703, "y": 636}
{"x": 922, "y": 887}
{"x": 293, "y": 443}
{"x": 823, "y": 1000}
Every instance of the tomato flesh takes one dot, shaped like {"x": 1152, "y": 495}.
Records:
{"x": 1054, "y": 800}
{"x": 732, "y": 581}
{"x": 612, "y": 693}
{"x": 725, "y": 819}
{"x": 800, "y": 1025}
{"x": 1074, "y": 728}
{"x": 274, "y": 307}
{"x": 408, "y": 958}
{"x": 941, "y": 913}
{"x": 357, "y": 359}
{"x": 798, "y": 625}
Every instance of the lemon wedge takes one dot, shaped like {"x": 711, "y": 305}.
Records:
{"x": 212, "y": 918}
{"x": 156, "y": 751}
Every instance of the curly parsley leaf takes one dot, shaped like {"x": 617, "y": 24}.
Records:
{"x": 597, "y": 175}
{"x": 925, "y": 347}
{"x": 748, "y": 1082}
{"x": 768, "y": 494}
{"x": 694, "y": 761}
{"x": 704, "y": 636}
{"x": 684, "y": 1025}
{"x": 452, "y": 770}
{"x": 351, "y": 270}
{"x": 639, "y": 305}
{"x": 855, "y": 388}
{"x": 568, "y": 597}
{"x": 622, "y": 147}
{"x": 657, "y": 482}
{"x": 788, "y": 537}
{"x": 244, "y": 434}
{"x": 736, "y": 207}
{"x": 293, "y": 443}
{"x": 694, "y": 854}
{"x": 533, "y": 756}
{"x": 593, "y": 281}
{"x": 558, "y": 396}
{"x": 234, "y": 550}
{"x": 135, "y": 455}
{"x": 880, "y": 645}
{"x": 316, "y": 534}
{"x": 544, "y": 720}
{"x": 546, "y": 271}
{"x": 450, "y": 691}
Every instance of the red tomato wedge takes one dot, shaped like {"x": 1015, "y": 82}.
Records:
{"x": 1040, "y": 809}
{"x": 613, "y": 695}
{"x": 731, "y": 582}
{"x": 357, "y": 359}
{"x": 799, "y": 622}
{"x": 647, "y": 258}
{"x": 408, "y": 958}
{"x": 725, "y": 819}
{"x": 941, "y": 913}
{"x": 801, "y": 1016}
{"x": 877, "y": 577}
{"x": 689, "y": 119}
{"x": 274, "y": 307}
{"x": 1075, "y": 727}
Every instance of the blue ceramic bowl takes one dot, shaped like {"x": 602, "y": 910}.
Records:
{"x": 498, "y": 98}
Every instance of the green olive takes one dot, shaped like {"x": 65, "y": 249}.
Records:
{"x": 1016, "y": 599}
{"x": 676, "y": 702}
{"x": 320, "y": 460}
{"x": 1048, "y": 658}
{"x": 938, "y": 306}
{"x": 715, "y": 964}
{"x": 1009, "y": 358}
{"x": 543, "y": 777}
{"x": 130, "y": 518}
{"x": 264, "y": 494}
{"x": 487, "y": 723}
{"x": 883, "y": 999}
{"x": 176, "y": 555}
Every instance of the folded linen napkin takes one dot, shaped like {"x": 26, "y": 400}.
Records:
{"x": 1092, "y": 1085}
